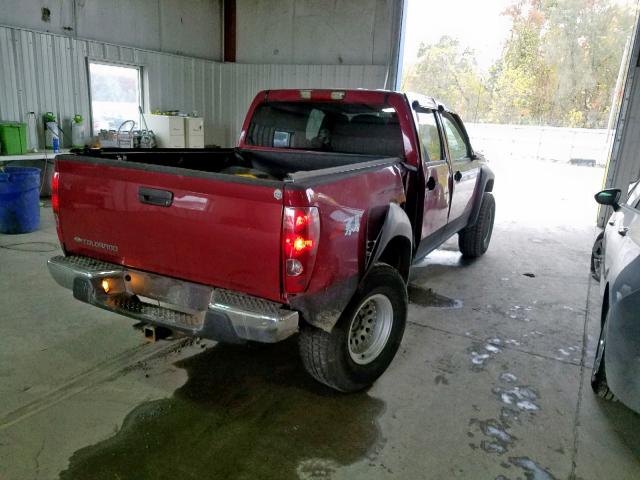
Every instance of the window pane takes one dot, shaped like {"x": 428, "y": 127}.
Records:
{"x": 634, "y": 196}
{"x": 334, "y": 127}
{"x": 115, "y": 95}
{"x": 455, "y": 139}
{"x": 314, "y": 123}
{"x": 429, "y": 136}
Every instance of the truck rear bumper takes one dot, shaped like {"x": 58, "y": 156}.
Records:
{"x": 190, "y": 308}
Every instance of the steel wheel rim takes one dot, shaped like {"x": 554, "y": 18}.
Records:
{"x": 370, "y": 329}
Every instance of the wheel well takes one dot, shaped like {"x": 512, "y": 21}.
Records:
{"x": 397, "y": 253}
{"x": 605, "y": 305}
{"x": 489, "y": 186}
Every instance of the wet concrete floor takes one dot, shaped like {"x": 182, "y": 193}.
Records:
{"x": 245, "y": 412}
{"x": 491, "y": 380}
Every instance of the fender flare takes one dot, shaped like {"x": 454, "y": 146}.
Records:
{"x": 323, "y": 309}
{"x": 485, "y": 184}
{"x": 396, "y": 224}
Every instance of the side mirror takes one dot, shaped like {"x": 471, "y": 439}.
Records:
{"x": 609, "y": 197}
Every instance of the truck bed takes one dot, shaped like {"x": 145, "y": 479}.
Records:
{"x": 222, "y": 223}
{"x": 262, "y": 164}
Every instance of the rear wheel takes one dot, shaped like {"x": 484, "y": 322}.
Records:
{"x": 598, "y": 374}
{"x": 365, "y": 339}
{"x": 474, "y": 240}
{"x": 596, "y": 256}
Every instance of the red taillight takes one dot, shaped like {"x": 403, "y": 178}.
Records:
{"x": 55, "y": 203}
{"x": 301, "y": 231}
{"x": 55, "y": 198}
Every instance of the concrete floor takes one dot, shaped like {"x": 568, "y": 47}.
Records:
{"x": 491, "y": 382}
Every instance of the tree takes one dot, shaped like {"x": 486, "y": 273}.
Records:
{"x": 521, "y": 76}
{"x": 560, "y": 64}
{"x": 449, "y": 73}
{"x": 558, "y": 67}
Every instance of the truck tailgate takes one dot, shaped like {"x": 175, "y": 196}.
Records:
{"x": 223, "y": 232}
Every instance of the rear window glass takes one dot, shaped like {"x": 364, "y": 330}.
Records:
{"x": 330, "y": 127}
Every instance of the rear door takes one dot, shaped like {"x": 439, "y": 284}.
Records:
{"x": 215, "y": 230}
{"x": 463, "y": 166}
{"x": 622, "y": 274}
{"x": 622, "y": 235}
{"x": 437, "y": 175}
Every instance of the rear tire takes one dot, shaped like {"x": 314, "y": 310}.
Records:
{"x": 598, "y": 374}
{"x": 365, "y": 339}
{"x": 474, "y": 240}
{"x": 596, "y": 256}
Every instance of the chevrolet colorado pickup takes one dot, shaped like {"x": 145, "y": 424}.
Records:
{"x": 309, "y": 225}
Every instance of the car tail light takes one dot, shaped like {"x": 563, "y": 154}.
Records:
{"x": 300, "y": 235}
{"x": 55, "y": 202}
{"x": 55, "y": 198}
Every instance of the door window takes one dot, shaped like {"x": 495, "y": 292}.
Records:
{"x": 458, "y": 148}
{"x": 634, "y": 197}
{"x": 429, "y": 137}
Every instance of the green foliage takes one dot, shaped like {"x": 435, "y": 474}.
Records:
{"x": 449, "y": 73}
{"x": 559, "y": 66}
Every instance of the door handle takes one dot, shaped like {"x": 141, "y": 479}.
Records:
{"x": 431, "y": 183}
{"x": 153, "y": 196}
{"x": 458, "y": 176}
{"x": 623, "y": 231}
{"x": 612, "y": 222}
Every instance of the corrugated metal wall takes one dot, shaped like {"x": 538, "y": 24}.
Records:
{"x": 42, "y": 72}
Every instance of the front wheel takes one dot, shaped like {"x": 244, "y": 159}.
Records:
{"x": 474, "y": 240}
{"x": 598, "y": 374}
{"x": 365, "y": 339}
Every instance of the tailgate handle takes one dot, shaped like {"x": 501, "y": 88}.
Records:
{"x": 153, "y": 196}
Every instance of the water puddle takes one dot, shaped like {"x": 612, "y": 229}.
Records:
{"x": 426, "y": 297}
{"x": 245, "y": 412}
{"x": 507, "y": 377}
{"x": 517, "y": 401}
{"x": 497, "y": 439}
{"x": 445, "y": 257}
{"x": 522, "y": 397}
{"x": 482, "y": 352}
{"x": 533, "y": 471}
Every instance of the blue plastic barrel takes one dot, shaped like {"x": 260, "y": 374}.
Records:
{"x": 19, "y": 199}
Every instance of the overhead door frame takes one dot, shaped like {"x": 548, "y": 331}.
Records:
{"x": 623, "y": 166}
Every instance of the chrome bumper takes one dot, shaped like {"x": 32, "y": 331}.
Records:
{"x": 190, "y": 308}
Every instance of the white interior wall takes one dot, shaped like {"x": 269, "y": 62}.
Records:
{"x": 187, "y": 27}
{"x": 316, "y": 31}
{"x": 355, "y": 32}
{"x": 46, "y": 72}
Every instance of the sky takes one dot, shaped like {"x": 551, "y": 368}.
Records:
{"x": 477, "y": 24}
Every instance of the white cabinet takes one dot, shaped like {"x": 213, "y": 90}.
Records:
{"x": 169, "y": 131}
{"x": 177, "y": 132}
{"x": 194, "y": 132}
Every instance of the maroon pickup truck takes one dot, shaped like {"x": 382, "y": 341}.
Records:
{"x": 310, "y": 225}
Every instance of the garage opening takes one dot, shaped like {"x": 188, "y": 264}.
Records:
{"x": 539, "y": 86}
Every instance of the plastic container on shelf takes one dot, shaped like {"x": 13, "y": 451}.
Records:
{"x": 51, "y": 130}
{"x": 13, "y": 137}
{"x": 78, "y": 136}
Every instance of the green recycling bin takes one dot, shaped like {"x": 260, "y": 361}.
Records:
{"x": 13, "y": 138}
